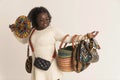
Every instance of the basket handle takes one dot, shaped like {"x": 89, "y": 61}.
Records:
{"x": 63, "y": 41}
{"x": 73, "y": 38}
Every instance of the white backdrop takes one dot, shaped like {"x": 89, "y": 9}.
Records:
{"x": 72, "y": 16}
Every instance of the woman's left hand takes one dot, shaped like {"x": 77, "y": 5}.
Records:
{"x": 92, "y": 34}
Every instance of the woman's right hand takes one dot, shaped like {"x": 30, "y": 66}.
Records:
{"x": 12, "y": 27}
{"x": 92, "y": 34}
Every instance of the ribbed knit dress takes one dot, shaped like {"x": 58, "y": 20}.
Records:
{"x": 43, "y": 42}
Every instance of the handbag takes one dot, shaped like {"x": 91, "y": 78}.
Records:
{"x": 78, "y": 65}
{"x": 84, "y": 54}
{"x": 29, "y": 60}
{"x": 64, "y": 58}
{"x": 65, "y": 52}
{"x": 93, "y": 46}
{"x": 88, "y": 50}
{"x": 28, "y": 63}
{"x": 22, "y": 27}
{"x": 42, "y": 63}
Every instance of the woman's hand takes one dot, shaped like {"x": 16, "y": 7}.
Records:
{"x": 92, "y": 34}
{"x": 12, "y": 27}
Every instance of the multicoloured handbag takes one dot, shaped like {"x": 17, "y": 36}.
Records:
{"x": 22, "y": 27}
{"x": 88, "y": 51}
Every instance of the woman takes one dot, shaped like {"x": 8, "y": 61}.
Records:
{"x": 43, "y": 40}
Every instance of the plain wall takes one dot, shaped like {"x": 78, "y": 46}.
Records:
{"x": 73, "y": 17}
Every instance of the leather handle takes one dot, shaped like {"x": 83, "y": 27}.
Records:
{"x": 30, "y": 40}
{"x": 63, "y": 41}
{"x": 28, "y": 51}
{"x": 73, "y": 40}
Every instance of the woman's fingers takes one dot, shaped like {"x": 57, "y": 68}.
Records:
{"x": 93, "y": 34}
{"x": 96, "y": 33}
{"x": 12, "y": 27}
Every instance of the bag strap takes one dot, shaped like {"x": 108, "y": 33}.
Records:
{"x": 28, "y": 54}
{"x": 30, "y": 43}
{"x": 28, "y": 51}
{"x": 32, "y": 48}
{"x": 96, "y": 45}
{"x": 63, "y": 41}
{"x": 73, "y": 40}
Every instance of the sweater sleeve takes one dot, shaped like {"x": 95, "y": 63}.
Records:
{"x": 22, "y": 40}
{"x": 59, "y": 35}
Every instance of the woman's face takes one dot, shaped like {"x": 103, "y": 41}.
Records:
{"x": 43, "y": 21}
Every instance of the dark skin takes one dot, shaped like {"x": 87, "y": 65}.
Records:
{"x": 43, "y": 21}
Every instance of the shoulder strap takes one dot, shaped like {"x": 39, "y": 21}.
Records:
{"x": 72, "y": 41}
{"x": 32, "y": 48}
{"x": 28, "y": 51}
{"x": 30, "y": 43}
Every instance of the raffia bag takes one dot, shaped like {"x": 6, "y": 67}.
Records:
{"x": 64, "y": 58}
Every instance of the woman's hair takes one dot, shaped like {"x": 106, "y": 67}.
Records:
{"x": 33, "y": 14}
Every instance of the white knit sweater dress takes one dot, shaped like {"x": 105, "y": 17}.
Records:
{"x": 43, "y": 42}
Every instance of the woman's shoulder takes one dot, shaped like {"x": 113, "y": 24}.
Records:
{"x": 55, "y": 28}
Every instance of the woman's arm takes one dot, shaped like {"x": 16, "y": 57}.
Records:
{"x": 13, "y": 29}
{"x": 22, "y": 40}
{"x": 59, "y": 35}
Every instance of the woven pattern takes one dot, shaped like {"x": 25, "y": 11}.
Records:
{"x": 65, "y": 52}
{"x": 65, "y": 64}
{"x": 22, "y": 27}
{"x": 64, "y": 58}
{"x": 42, "y": 63}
